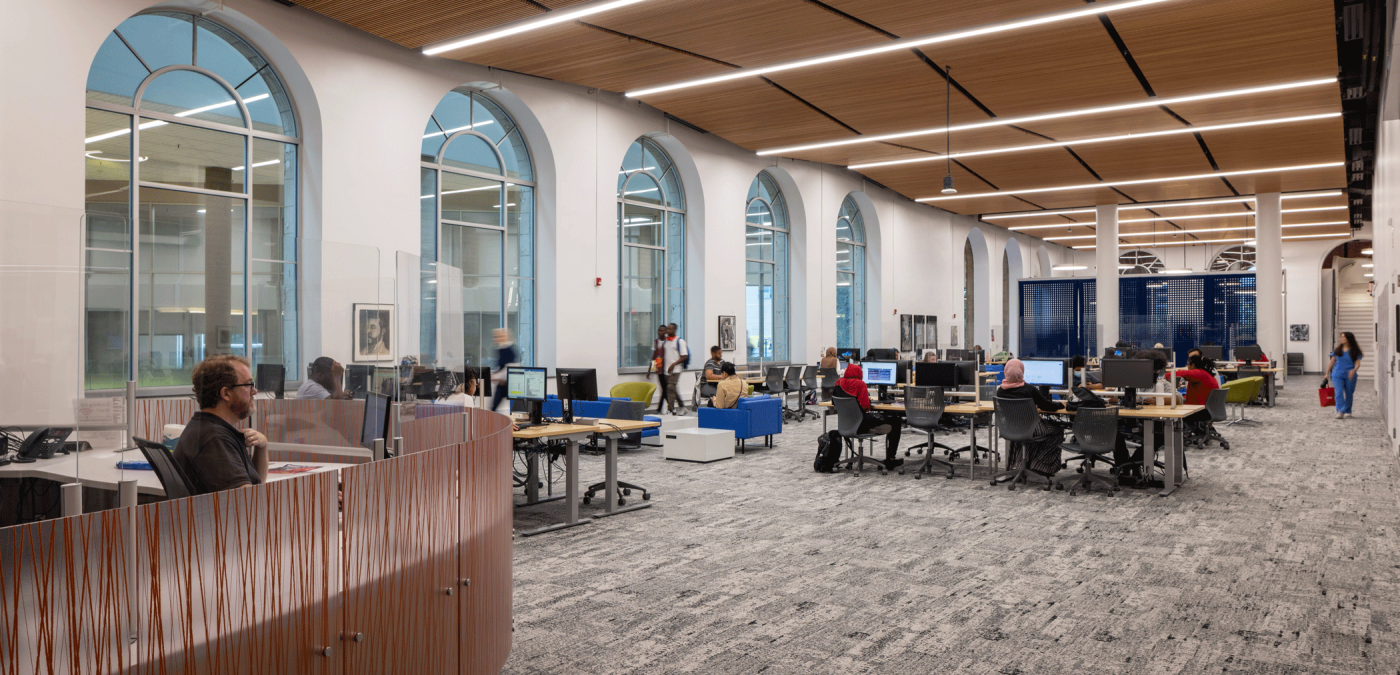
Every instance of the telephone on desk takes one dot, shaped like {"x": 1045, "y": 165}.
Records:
{"x": 41, "y": 444}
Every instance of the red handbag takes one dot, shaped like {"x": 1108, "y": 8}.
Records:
{"x": 1327, "y": 396}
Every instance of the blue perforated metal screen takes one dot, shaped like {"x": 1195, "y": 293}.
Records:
{"x": 1058, "y": 317}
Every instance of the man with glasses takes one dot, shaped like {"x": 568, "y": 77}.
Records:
{"x": 212, "y": 452}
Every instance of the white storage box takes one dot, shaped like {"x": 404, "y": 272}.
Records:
{"x": 697, "y": 445}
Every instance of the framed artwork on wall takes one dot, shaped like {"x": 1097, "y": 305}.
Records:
{"x": 1298, "y": 332}
{"x": 727, "y": 334}
{"x": 372, "y": 332}
{"x": 906, "y": 332}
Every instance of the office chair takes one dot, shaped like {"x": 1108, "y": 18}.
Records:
{"x": 622, "y": 410}
{"x": 1203, "y": 435}
{"x": 923, "y": 406}
{"x": 848, "y": 419}
{"x": 792, "y": 386}
{"x": 172, "y": 479}
{"x": 1095, "y": 434}
{"x": 774, "y": 384}
{"x": 829, "y": 377}
{"x": 808, "y": 385}
{"x": 1017, "y": 420}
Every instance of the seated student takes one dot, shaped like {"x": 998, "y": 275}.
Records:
{"x": 729, "y": 390}
{"x": 1045, "y": 449}
{"x": 1200, "y": 381}
{"x": 323, "y": 381}
{"x": 465, "y": 393}
{"x": 829, "y": 361}
{"x": 712, "y": 370}
{"x": 1092, "y": 377}
{"x": 930, "y": 356}
{"x": 212, "y": 453}
{"x": 852, "y": 385}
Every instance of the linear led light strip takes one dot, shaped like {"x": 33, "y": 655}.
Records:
{"x": 1159, "y": 205}
{"x": 549, "y": 18}
{"x": 1006, "y": 121}
{"x": 1247, "y": 240}
{"x": 897, "y": 45}
{"x": 449, "y": 132}
{"x": 1101, "y": 139}
{"x": 454, "y": 192}
{"x": 1241, "y": 214}
{"x": 161, "y": 123}
{"x": 1211, "y": 229}
{"x": 1140, "y": 181}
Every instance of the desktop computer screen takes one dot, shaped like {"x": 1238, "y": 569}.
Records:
{"x": 959, "y": 355}
{"x": 525, "y": 384}
{"x": 1129, "y": 373}
{"x": 1046, "y": 371}
{"x": 938, "y": 374}
{"x": 358, "y": 378}
{"x": 1213, "y": 352}
{"x": 272, "y": 378}
{"x": 848, "y": 354}
{"x": 376, "y": 422}
{"x": 583, "y": 384}
{"x": 1248, "y": 353}
{"x": 881, "y": 373}
{"x": 967, "y": 372}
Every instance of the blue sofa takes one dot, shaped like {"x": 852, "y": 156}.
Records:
{"x": 752, "y": 417}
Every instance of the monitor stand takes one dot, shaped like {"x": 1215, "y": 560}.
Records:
{"x": 536, "y": 412}
{"x": 568, "y": 406}
{"x": 1129, "y": 401}
{"x": 883, "y": 393}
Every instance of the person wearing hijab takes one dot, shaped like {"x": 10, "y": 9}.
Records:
{"x": 853, "y": 385}
{"x": 1045, "y": 449}
{"x": 829, "y": 361}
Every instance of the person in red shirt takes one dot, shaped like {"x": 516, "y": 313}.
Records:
{"x": 852, "y": 384}
{"x": 1199, "y": 380}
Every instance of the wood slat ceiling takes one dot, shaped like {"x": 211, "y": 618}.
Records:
{"x": 1180, "y": 47}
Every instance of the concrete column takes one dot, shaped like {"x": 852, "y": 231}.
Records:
{"x": 1106, "y": 260}
{"x": 1268, "y": 234}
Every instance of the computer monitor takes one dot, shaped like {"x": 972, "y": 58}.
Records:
{"x": 959, "y": 355}
{"x": 272, "y": 378}
{"x": 881, "y": 373}
{"x": 882, "y": 354}
{"x": 1167, "y": 352}
{"x": 483, "y": 380}
{"x": 583, "y": 384}
{"x": 902, "y": 371}
{"x": 967, "y": 372}
{"x": 1213, "y": 352}
{"x": 1052, "y": 372}
{"x": 1248, "y": 353}
{"x": 358, "y": 378}
{"x": 426, "y": 384}
{"x": 528, "y": 385}
{"x": 937, "y": 374}
{"x": 447, "y": 383}
{"x": 848, "y": 354}
{"x": 376, "y": 423}
{"x": 1115, "y": 353}
{"x": 1129, "y": 375}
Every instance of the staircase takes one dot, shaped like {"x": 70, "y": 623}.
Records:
{"x": 1355, "y": 313}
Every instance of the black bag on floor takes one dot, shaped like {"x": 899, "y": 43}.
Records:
{"x": 828, "y": 452}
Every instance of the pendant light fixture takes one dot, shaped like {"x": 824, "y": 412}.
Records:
{"x": 948, "y": 188}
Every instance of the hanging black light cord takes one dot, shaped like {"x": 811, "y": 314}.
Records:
{"x": 948, "y": 188}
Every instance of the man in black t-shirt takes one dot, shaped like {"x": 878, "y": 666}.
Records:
{"x": 214, "y": 454}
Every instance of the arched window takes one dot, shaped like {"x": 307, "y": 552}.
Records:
{"x": 651, "y": 250}
{"x": 850, "y": 276}
{"x": 1139, "y": 262}
{"x": 477, "y": 211}
{"x": 1234, "y": 259}
{"x": 195, "y": 241}
{"x": 766, "y": 253}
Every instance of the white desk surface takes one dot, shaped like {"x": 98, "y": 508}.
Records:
{"x": 99, "y": 470}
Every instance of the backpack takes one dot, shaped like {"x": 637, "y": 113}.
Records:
{"x": 828, "y": 453}
{"x": 685, "y": 349}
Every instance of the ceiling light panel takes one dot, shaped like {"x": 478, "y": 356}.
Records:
{"x": 545, "y": 20}
{"x": 1142, "y": 181}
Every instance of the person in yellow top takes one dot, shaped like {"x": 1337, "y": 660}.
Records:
{"x": 730, "y": 389}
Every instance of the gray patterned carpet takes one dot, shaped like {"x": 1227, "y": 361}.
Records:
{"x": 1278, "y": 556}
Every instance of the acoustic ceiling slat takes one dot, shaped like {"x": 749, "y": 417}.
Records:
{"x": 1304, "y": 143}
{"x": 1292, "y": 181}
{"x": 414, "y": 23}
{"x": 1177, "y": 155}
{"x": 1040, "y": 168}
{"x": 785, "y": 119}
{"x": 1191, "y": 46}
{"x": 1269, "y": 105}
{"x": 909, "y": 18}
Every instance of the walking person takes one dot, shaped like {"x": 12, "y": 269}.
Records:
{"x": 658, "y": 356}
{"x": 1346, "y": 361}
{"x": 676, "y": 358}
{"x": 506, "y": 355}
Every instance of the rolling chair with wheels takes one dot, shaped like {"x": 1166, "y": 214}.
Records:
{"x": 805, "y": 387}
{"x": 774, "y": 382}
{"x": 848, "y": 419}
{"x": 1095, "y": 434}
{"x": 792, "y": 386}
{"x": 828, "y": 385}
{"x": 1215, "y": 405}
{"x": 162, "y": 460}
{"x": 622, "y": 410}
{"x": 1017, "y": 420}
{"x": 923, "y": 406}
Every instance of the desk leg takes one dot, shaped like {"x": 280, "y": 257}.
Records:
{"x": 1149, "y": 449}
{"x": 1175, "y": 447}
{"x": 532, "y": 476}
{"x": 1270, "y": 382}
{"x": 610, "y": 490}
{"x": 570, "y": 493}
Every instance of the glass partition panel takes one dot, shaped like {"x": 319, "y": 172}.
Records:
{"x": 348, "y": 317}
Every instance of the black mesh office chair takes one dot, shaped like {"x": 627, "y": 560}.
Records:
{"x": 848, "y": 419}
{"x": 829, "y": 377}
{"x": 923, "y": 406}
{"x": 622, "y": 410}
{"x": 1205, "y": 433}
{"x": 1017, "y": 419}
{"x": 1095, "y": 434}
{"x": 808, "y": 385}
{"x": 792, "y": 386}
{"x": 172, "y": 479}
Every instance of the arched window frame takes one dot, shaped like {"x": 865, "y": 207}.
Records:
{"x": 850, "y": 274}
{"x": 1234, "y": 259}
{"x": 767, "y": 263}
{"x": 516, "y": 190}
{"x": 1139, "y": 261}
{"x": 263, "y": 279}
{"x": 667, "y": 242}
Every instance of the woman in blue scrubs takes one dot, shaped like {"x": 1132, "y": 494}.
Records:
{"x": 1346, "y": 360}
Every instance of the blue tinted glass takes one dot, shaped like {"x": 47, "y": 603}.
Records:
{"x": 454, "y": 112}
{"x": 115, "y": 71}
{"x": 220, "y": 52}
{"x": 268, "y": 104}
{"x": 471, "y": 152}
{"x": 489, "y": 119}
{"x": 185, "y": 93}
{"x": 642, "y": 188}
{"x": 631, "y": 163}
{"x": 516, "y": 156}
{"x": 161, "y": 39}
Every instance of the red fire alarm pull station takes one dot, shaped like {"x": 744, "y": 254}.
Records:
{"x": 598, "y": 281}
